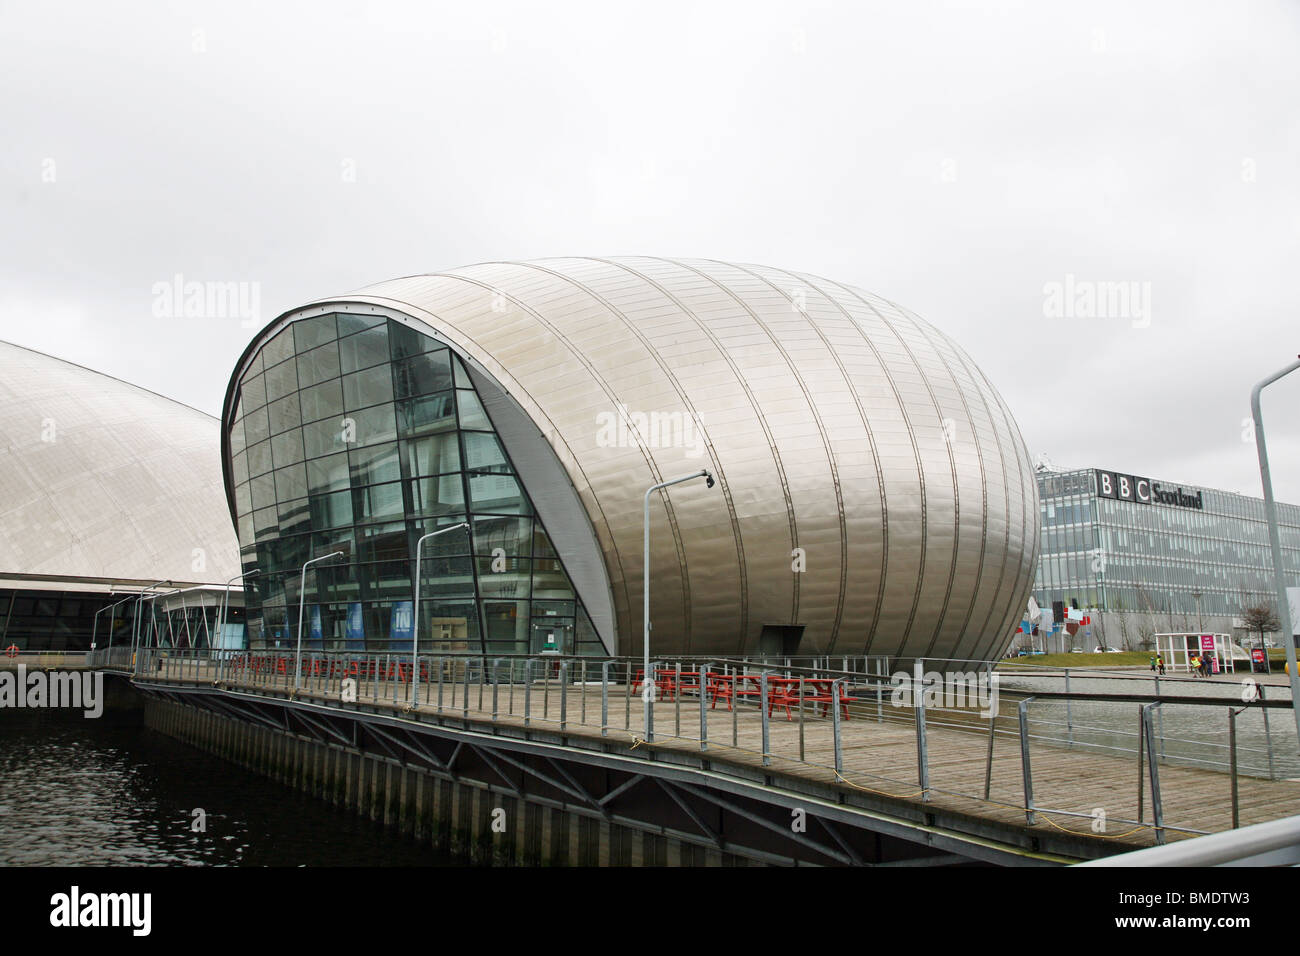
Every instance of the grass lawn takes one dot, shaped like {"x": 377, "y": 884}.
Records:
{"x": 1121, "y": 659}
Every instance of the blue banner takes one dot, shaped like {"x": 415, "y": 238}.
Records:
{"x": 401, "y": 627}
{"x": 314, "y": 638}
{"x": 356, "y": 631}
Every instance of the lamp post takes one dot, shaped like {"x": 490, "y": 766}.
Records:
{"x": 135, "y": 623}
{"x": 225, "y": 601}
{"x": 647, "y": 675}
{"x": 94, "y": 631}
{"x": 302, "y": 595}
{"x": 1275, "y": 542}
{"x": 415, "y": 627}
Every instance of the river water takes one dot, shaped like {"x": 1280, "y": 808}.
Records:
{"x": 79, "y": 792}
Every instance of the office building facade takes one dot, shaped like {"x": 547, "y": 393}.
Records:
{"x": 1154, "y": 556}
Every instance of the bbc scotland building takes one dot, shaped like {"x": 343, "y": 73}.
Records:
{"x": 873, "y": 494}
{"x": 1153, "y": 556}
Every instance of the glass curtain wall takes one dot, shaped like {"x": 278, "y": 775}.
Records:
{"x": 356, "y": 433}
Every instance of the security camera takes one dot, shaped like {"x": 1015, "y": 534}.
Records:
{"x": 708, "y": 480}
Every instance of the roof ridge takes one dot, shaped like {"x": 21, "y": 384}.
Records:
{"x": 123, "y": 381}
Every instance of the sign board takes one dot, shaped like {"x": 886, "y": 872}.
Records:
{"x": 1112, "y": 484}
{"x": 401, "y": 626}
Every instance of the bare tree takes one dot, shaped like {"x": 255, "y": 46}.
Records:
{"x": 1260, "y": 616}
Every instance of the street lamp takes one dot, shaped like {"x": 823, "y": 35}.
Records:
{"x": 94, "y": 631}
{"x": 225, "y": 601}
{"x": 415, "y": 628}
{"x": 302, "y": 594}
{"x": 135, "y": 623}
{"x": 1275, "y": 542}
{"x": 647, "y": 676}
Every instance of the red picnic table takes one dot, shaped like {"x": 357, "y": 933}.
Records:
{"x": 781, "y": 691}
{"x": 669, "y": 681}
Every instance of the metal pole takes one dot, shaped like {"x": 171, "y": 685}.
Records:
{"x": 647, "y": 686}
{"x": 564, "y": 695}
{"x": 767, "y": 735}
{"x": 922, "y": 753}
{"x": 1069, "y": 715}
{"x": 1025, "y": 772}
{"x": 1268, "y": 737}
{"x": 988, "y": 766}
{"x": 1232, "y": 760}
{"x": 1275, "y": 541}
{"x": 604, "y": 699}
{"x": 835, "y": 726}
{"x": 1153, "y": 770}
{"x": 302, "y": 596}
{"x": 415, "y": 627}
{"x": 225, "y": 600}
{"x": 1141, "y": 750}
{"x": 703, "y": 680}
{"x": 135, "y": 622}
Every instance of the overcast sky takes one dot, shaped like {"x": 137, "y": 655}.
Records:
{"x": 988, "y": 167}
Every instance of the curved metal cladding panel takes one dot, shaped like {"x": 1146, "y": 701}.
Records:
{"x": 100, "y": 479}
{"x": 835, "y": 422}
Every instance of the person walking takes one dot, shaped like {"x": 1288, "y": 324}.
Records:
{"x": 1196, "y": 665}
{"x": 1153, "y": 665}
{"x": 1160, "y": 664}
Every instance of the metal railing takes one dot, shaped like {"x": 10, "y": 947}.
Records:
{"x": 786, "y": 713}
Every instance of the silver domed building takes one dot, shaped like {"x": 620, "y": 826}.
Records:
{"x": 105, "y": 490}
{"x": 873, "y": 494}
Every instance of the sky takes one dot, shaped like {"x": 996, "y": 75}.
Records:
{"x": 1100, "y": 201}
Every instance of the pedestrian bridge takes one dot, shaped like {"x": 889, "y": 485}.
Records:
{"x": 783, "y": 761}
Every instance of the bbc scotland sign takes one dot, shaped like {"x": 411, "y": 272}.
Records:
{"x": 1111, "y": 484}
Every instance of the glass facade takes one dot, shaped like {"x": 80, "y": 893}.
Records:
{"x": 359, "y": 434}
{"x": 1142, "y": 546}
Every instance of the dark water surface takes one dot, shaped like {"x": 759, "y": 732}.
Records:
{"x": 110, "y": 792}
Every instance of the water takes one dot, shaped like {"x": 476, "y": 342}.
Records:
{"x": 78, "y": 792}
